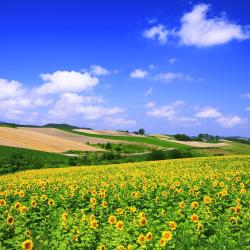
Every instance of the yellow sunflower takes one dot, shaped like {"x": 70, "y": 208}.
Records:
{"x": 207, "y": 199}
{"x": 27, "y": 245}
{"x": 194, "y": 218}
{"x": 167, "y": 235}
{"x": 10, "y": 220}
{"x": 149, "y": 236}
{"x": 112, "y": 220}
{"x": 172, "y": 225}
{"x": 119, "y": 225}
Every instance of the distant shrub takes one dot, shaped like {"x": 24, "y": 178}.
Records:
{"x": 182, "y": 137}
{"x": 157, "y": 155}
{"x": 108, "y": 146}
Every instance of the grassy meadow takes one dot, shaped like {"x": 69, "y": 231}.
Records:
{"x": 139, "y": 139}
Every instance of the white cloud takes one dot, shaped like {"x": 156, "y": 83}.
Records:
{"x": 149, "y": 91}
{"x": 152, "y": 20}
{"x": 151, "y": 66}
{"x": 98, "y": 70}
{"x": 208, "y": 112}
{"x": 10, "y": 89}
{"x": 150, "y": 105}
{"x": 16, "y": 102}
{"x": 231, "y": 121}
{"x": 226, "y": 121}
{"x": 246, "y": 95}
{"x": 171, "y": 76}
{"x": 119, "y": 121}
{"x": 72, "y": 104}
{"x": 159, "y": 33}
{"x": 26, "y": 105}
{"x": 66, "y": 81}
{"x": 172, "y": 60}
{"x": 248, "y": 109}
{"x": 172, "y": 113}
{"x": 167, "y": 111}
{"x": 139, "y": 73}
{"x": 199, "y": 30}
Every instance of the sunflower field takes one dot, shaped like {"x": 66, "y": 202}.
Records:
{"x": 200, "y": 203}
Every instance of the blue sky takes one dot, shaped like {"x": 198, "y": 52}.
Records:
{"x": 166, "y": 66}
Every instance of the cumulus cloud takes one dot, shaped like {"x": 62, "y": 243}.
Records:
{"x": 231, "y": 121}
{"x": 138, "y": 73}
{"x": 119, "y": 121}
{"x": 167, "y": 111}
{"x": 208, "y": 112}
{"x": 246, "y": 95}
{"x": 197, "y": 29}
{"x": 171, "y": 112}
{"x": 158, "y": 33}
{"x": 150, "y": 105}
{"x": 66, "y": 81}
{"x": 226, "y": 121}
{"x": 10, "y": 89}
{"x": 171, "y": 76}
{"x": 72, "y": 104}
{"x": 16, "y": 102}
{"x": 98, "y": 70}
{"x": 67, "y": 102}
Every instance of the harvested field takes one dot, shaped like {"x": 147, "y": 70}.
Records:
{"x": 105, "y": 132}
{"x": 198, "y": 144}
{"x": 32, "y": 139}
{"x": 163, "y": 137}
{"x": 70, "y": 136}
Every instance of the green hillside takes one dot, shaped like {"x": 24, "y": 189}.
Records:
{"x": 140, "y": 139}
{"x": 14, "y": 159}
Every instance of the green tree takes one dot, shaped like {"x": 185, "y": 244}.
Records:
{"x": 141, "y": 131}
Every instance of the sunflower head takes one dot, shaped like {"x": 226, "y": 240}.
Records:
{"x": 51, "y": 202}
{"x": 93, "y": 224}
{"x": 194, "y": 204}
{"x": 93, "y": 201}
{"x": 10, "y": 220}
{"x": 33, "y": 203}
{"x": 119, "y": 225}
{"x": 163, "y": 242}
{"x": 23, "y": 209}
{"x": 141, "y": 239}
{"x": 27, "y": 233}
{"x": 143, "y": 221}
{"x": 2, "y": 202}
{"x": 112, "y": 220}
{"x": 121, "y": 247}
{"x": 207, "y": 199}
{"x": 104, "y": 204}
{"x": 194, "y": 218}
{"x": 17, "y": 205}
{"x": 182, "y": 205}
{"x": 172, "y": 225}
{"x": 149, "y": 236}
{"x": 167, "y": 235}
{"x": 119, "y": 210}
{"x": 27, "y": 245}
